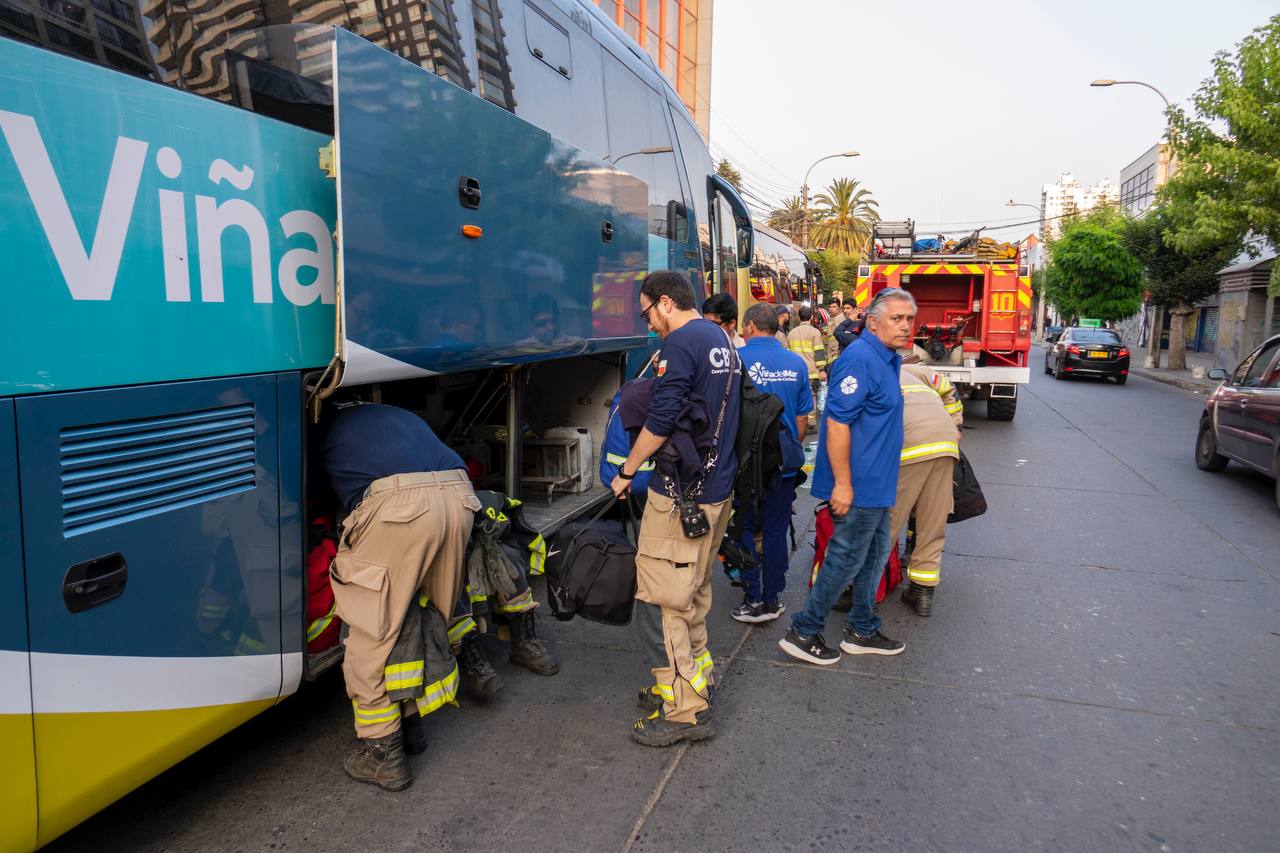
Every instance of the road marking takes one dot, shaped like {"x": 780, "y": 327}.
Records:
{"x": 656, "y": 794}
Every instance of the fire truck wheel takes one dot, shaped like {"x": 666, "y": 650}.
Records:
{"x": 1001, "y": 408}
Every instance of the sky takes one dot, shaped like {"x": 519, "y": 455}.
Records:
{"x": 955, "y": 108}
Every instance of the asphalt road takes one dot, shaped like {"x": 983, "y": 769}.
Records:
{"x": 1100, "y": 674}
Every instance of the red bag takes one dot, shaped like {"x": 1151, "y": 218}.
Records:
{"x": 823, "y": 527}
{"x": 323, "y": 624}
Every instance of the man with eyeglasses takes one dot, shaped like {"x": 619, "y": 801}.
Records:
{"x": 690, "y": 431}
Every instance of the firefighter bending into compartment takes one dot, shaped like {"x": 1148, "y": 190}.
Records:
{"x": 400, "y": 561}
{"x": 931, "y": 419}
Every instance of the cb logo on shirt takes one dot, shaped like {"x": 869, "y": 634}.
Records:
{"x": 719, "y": 357}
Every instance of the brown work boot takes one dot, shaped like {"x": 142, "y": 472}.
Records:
{"x": 380, "y": 761}
{"x": 919, "y": 598}
{"x": 479, "y": 678}
{"x": 527, "y": 650}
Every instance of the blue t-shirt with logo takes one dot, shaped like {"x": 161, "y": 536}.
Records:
{"x": 697, "y": 360}
{"x": 782, "y": 373}
{"x": 864, "y": 393}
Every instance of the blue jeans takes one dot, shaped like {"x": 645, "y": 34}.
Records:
{"x": 856, "y": 555}
{"x": 775, "y": 510}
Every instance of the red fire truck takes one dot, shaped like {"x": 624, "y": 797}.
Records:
{"x": 973, "y": 322}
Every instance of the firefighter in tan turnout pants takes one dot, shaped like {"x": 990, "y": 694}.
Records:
{"x": 399, "y": 566}
{"x": 689, "y": 432}
{"x": 931, "y": 418}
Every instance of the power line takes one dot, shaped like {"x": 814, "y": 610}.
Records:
{"x": 723, "y": 154}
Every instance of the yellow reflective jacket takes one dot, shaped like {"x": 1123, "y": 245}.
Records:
{"x": 806, "y": 341}
{"x": 931, "y": 415}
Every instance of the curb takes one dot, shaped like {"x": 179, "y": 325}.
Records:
{"x": 1197, "y": 386}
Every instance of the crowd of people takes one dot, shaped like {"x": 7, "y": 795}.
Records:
{"x": 407, "y": 586}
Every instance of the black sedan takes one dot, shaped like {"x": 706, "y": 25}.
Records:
{"x": 1080, "y": 351}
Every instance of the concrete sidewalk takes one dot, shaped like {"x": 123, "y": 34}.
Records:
{"x": 1180, "y": 378}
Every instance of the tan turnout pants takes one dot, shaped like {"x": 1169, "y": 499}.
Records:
{"x": 673, "y": 588}
{"x": 407, "y": 536}
{"x": 924, "y": 487}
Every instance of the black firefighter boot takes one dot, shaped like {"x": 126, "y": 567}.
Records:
{"x": 920, "y": 598}
{"x": 527, "y": 650}
{"x": 413, "y": 732}
{"x": 479, "y": 677}
{"x": 380, "y": 761}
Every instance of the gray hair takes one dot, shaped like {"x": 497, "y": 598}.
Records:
{"x": 763, "y": 315}
{"x": 878, "y": 305}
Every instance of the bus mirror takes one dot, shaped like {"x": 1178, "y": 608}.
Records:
{"x": 744, "y": 232}
{"x": 745, "y": 239}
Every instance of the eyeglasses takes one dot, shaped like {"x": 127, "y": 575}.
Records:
{"x": 644, "y": 312}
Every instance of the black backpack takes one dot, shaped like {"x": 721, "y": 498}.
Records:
{"x": 759, "y": 443}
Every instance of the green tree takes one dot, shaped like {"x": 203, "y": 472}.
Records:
{"x": 725, "y": 170}
{"x": 1177, "y": 279}
{"x": 1092, "y": 274}
{"x": 843, "y": 219}
{"x": 838, "y": 271}
{"x": 788, "y": 218}
{"x": 1228, "y": 152}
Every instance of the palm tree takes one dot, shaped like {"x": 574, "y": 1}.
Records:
{"x": 788, "y": 218}
{"x": 844, "y": 218}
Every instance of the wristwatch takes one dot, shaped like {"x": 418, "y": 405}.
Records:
{"x": 624, "y": 475}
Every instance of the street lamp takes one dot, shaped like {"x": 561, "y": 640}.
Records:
{"x": 1104, "y": 83}
{"x": 1038, "y": 320}
{"x": 804, "y": 194}
{"x": 1153, "y": 351}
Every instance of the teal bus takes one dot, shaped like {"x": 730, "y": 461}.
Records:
{"x": 217, "y": 223}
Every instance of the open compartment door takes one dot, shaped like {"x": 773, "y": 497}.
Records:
{"x": 468, "y": 237}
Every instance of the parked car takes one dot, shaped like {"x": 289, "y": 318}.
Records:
{"x": 1052, "y": 333}
{"x": 1081, "y": 351}
{"x": 1241, "y": 419}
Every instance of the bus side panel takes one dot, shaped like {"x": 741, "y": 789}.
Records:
{"x": 291, "y": 404}
{"x": 17, "y": 740}
{"x": 173, "y": 489}
{"x": 167, "y": 218}
{"x": 551, "y": 218}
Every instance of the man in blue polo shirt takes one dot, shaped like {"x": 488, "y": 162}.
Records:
{"x": 859, "y": 443}
{"x": 784, "y": 374}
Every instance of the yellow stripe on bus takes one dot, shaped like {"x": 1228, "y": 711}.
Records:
{"x": 88, "y": 761}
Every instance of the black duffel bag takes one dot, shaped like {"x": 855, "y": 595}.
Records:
{"x": 591, "y": 570}
{"x": 969, "y": 501}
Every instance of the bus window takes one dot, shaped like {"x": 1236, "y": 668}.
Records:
{"x": 640, "y": 144}
{"x": 697, "y": 162}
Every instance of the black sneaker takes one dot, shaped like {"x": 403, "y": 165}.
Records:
{"x": 808, "y": 649}
{"x": 877, "y": 644}
{"x": 753, "y": 613}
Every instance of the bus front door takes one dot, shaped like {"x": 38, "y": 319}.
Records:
{"x": 151, "y": 519}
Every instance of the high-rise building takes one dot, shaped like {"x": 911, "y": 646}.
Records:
{"x": 677, "y": 34}
{"x": 1068, "y": 197}
{"x": 1141, "y": 178}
